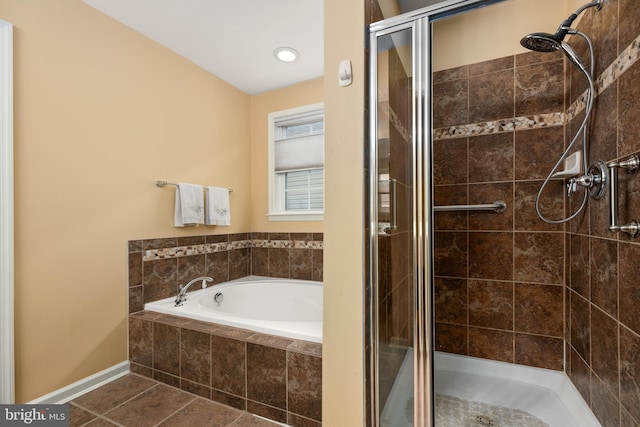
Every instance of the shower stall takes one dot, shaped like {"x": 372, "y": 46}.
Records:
{"x": 465, "y": 275}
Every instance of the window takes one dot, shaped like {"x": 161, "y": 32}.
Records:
{"x": 296, "y": 164}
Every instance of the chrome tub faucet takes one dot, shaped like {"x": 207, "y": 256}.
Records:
{"x": 182, "y": 294}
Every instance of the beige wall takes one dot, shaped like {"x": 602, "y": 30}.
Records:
{"x": 342, "y": 361}
{"x": 310, "y": 92}
{"x": 494, "y": 31}
{"x": 101, "y": 112}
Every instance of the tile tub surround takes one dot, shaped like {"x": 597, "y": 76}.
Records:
{"x": 158, "y": 266}
{"x": 274, "y": 377}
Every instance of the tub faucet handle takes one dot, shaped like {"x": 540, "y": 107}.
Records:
{"x": 182, "y": 293}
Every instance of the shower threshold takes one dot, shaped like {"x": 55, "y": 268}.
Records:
{"x": 492, "y": 393}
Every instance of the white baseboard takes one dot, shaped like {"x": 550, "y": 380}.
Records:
{"x": 70, "y": 392}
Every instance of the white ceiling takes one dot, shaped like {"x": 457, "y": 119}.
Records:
{"x": 232, "y": 39}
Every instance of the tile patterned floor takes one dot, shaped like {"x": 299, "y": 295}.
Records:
{"x": 137, "y": 401}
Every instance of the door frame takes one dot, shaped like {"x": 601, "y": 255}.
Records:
{"x": 7, "y": 371}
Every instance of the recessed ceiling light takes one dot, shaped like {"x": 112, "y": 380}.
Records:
{"x": 286, "y": 54}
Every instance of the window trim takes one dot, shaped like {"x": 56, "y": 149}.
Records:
{"x": 275, "y": 200}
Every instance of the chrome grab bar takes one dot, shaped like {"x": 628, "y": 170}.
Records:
{"x": 632, "y": 165}
{"x": 498, "y": 206}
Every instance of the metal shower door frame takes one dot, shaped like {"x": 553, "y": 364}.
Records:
{"x": 422, "y": 218}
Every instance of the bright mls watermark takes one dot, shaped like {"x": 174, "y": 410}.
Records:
{"x": 34, "y": 415}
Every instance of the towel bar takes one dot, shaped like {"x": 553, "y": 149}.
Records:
{"x": 163, "y": 183}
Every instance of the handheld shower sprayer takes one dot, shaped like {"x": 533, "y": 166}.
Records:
{"x": 545, "y": 42}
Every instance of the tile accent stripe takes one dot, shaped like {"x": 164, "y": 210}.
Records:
{"x": 498, "y": 126}
{"x": 623, "y": 62}
{"x": 208, "y": 248}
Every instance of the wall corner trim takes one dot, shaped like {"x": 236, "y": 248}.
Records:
{"x": 85, "y": 385}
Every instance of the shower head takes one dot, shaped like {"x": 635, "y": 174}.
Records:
{"x": 545, "y": 42}
{"x": 540, "y": 42}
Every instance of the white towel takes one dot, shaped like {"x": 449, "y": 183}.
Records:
{"x": 189, "y": 205}
{"x": 218, "y": 212}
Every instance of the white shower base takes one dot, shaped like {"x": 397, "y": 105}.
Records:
{"x": 545, "y": 394}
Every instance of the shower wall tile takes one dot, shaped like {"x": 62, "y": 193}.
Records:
{"x": 629, "y": 111}
{"x": 491, "y": 304}
{"x": 490, "y": 192}
{"x": 539, "y": 88}
{"x": 452, "y": 338}
{"x": 539, "y": 257}
{"x": 539, "y": 309}
{"x": 604, "y": 275}
{"x": 539, "y": 351}
{"x": 450, "y": 101}
{"x": 580, "y": 374}
{"x": 628, "y": 286}
{"x": 630, "y": 372}
{"x": 524, "y": 206}
{"x": 490, "y": 97}
{"x": 491, "y": 66}
{"x": 491, "y": 344}
{"x": 491, "y": 256}
{"x": 451, "y": 157}
{"x": 628, "y": 23}
{"x": 537, "y": 151}
{"x": 604, "y": 356}
{"x": 604, "y": 405}
{"x": 445, "y": 195}
{"x": 495, "y": 150}
{"x": 451, "y": 300}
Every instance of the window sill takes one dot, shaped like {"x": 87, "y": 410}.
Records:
{"x": 298, "y": 216}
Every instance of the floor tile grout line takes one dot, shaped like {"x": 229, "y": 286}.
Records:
{"x": 129, "y": 400}
{"x": 177, "y": 410}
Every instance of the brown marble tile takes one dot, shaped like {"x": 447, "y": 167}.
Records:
{"x": 191, "y": 240}
{"x": 629, "y": 286}
{"x": 489, "y": 193}
{"x": 629, "y": 110}
{"x": 450, "y": 161}
{"x": 279, "y": 262}
{"x": 169, "y": 242}
{"x": 604, "y": 126}
{"x": 626, "y": 420}
{"x": 136, "y": 299}
{"x": 304, "y": 385}
{"x": 491, "y": 96}
{"x": 260, "y": 261}
{"x": 266, "y": 375}
{"x": 195, "y": 388}
{"x": 248, "y": 420}
{"x": 524, "y": 206}
{"x": 604, "y": 275}
{"x": 166, "y": 348}
{"x": 113, "y": 394}
{"x": 240, "y": 263}
{"x": 528, "y": 58}
{"x": 229, "y": 399}
{"x": 190, "y": 267}
{"x": 491, "y": 157}
{"x": 201, "y": 412}
{"x": 318, "y": 265}
{"x": 296, "y": 421}
{"x": 540, "y": 352}
{"x": 604, "y": 349}
{"x": 450, "y": 103}
{"x": 491, "y": 344}
{"x": 141, "y": 370}
{"x": 266, "y": 411}
{"x": 160, "y": 279}
{"x": 447, "y": 195}
{"x": 455, "y": 73}
{"x": 217, "y": 266}
{"x": 228, "y": 365}
{"x": 539, "y": 257}
{"x": 539, "y": 309}
{"x": 306, "y": 347}
{"x": 491, "y": 255}
{"x": 579, "y": 266}
{"x": 195, "y": 356}
{"x": 539, "y": 88}
{"x": 580, "y": 326}
{"x": 628, "y": 24}
{"x": 78, "y": 416}
{"x": 150, "y": 407}
{"x": 630, "y": 371}
{"x": 100, "y": 422}
{"x": 604, "y": 405}
{"x": 302, "y": 264}
{"x": 450, "y": 254}
{"x": 168, "y": 379}
{"x": 491, "y": 66}
{"x": 134, "y": 245}
{"x": 135, "y": 269}
{"x": 537, "y": 151}
{"x": 140, "y": 341}
{"x": 450, "y": 300}
{"x": 451, "y": 338}
{"x": 580, "y": 374}
{"x": 491, "y": 304}
{"x": 217, "y": 238}
{"x": 270, "y": 341}
{"x": 604, "y": 32}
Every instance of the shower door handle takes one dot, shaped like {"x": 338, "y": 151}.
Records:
{"x": 393, "y": 202}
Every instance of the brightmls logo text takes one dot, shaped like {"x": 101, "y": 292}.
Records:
{"x": 34, "y": 415}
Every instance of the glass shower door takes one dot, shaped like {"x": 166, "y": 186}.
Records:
{"x": 397, "y": 349}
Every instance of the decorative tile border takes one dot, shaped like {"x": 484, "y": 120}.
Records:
{"x": 208, "y": 248}
{"x": 609, "y": 76}
{"x": 498, "y": 126}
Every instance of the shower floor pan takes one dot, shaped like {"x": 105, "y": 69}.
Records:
{"x": 547, "y": 395}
